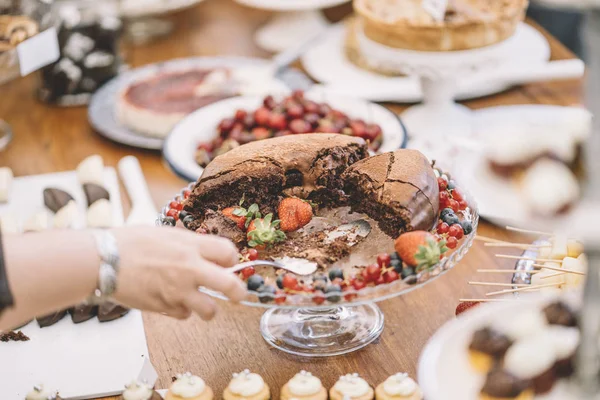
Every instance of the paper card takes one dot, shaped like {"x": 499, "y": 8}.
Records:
{"x": 38, "y": 51}
{"x": 148, "y": 374}
{"x": 436, "y": 8}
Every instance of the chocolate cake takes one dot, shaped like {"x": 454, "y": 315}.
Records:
{"x": 307, "y": 166}
{"x": 399, "y": 190}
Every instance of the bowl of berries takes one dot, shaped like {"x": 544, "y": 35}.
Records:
{"x": 227, "y": 124}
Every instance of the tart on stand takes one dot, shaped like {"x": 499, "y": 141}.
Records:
{"x": 247, "y": 386}
{"x": 353, "y": 387}
{"x": 304, "y": 386}
{"x": 189, "y": 387}
{"x": 139, "y": 391}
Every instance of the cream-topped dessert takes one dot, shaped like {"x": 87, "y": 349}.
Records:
{"x": 351, "y": 386}
{"x": 139, "y": 391}
{"x": 189, "y": 387}
{"x": 40, "y": 393}
{"x": 533, "y": 358}
{"x": 398, "y": 386}
{"x": 523, "y": 325}
{"x": 304, "y": 385}
{"x": 247, "y": 385}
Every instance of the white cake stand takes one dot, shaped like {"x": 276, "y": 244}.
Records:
{"x": 439, "y": 115}
{"x": 296, "y": 20}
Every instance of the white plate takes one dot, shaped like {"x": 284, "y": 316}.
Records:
{"x": 444, "y": 370}
{"x": 291, "y": 5}
{"x": 498, "y": 198}
{"x": 102, "y": 115}
{"x": 327, "y": 63}
{"x": 83, "y": 361}
{"x": 201, "y": 125}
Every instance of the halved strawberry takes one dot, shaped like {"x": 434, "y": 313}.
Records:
{"x": 294, "y": 213}
{"x": 420, "y": 249}
{"x": 264, "y": 232}
{"x": 464, "y": 306}
{"x": 241, "y": 216}
{"x": 230, "y": 212}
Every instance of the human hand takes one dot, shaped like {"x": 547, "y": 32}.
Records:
{"x": 161, "y": 269}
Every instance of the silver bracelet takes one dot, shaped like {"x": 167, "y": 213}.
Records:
{"x": 106, "y": 244}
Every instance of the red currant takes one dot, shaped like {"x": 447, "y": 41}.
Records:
{"x": 186, "y": 193}
{"x": 349, "y": 296}
{"x": 248, "y": 272}
{"x": 365, "y": 275}
{"x": 374, "y": 272}
{"x": 318, "y": 297}
{"x": 451, "y": 242}
{"x": 280, "y": 297}
{"x": 175, "y": 205}
{"x": 456, "y": 195}
{"x": 252, "y": 255}
{"x": 173, "y": 213}
{"x": 359, "y": 284}
{"x": 444, "y": 196}
{"x": 290, "y": 282}
{"x": 383, "y": 260}
{"x": 391, "y": 276}
{"x": 443, "y": 228}
{"x": 453, "y": 204}
{"x": 380, "y": 280}
{"x": 240, "y": 115}
{"x": 456, "y": 231}
{"x": 462, "y": 204}
{"x": 443, "y": 185}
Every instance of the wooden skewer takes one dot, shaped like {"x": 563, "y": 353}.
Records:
{"x": 567, "y": 271}
{"x": 489, "y": 239}
{"x": 554, "y": 275}
{"x": 485, "y": 300}
{"x": 517, "y": 245}
{"x": 512, "y": 228}
{"x": 528, "y": 258}
{"x": 523, "y": 289}
{"x": 498, "y": 284}
{"x": 512, "y": 271}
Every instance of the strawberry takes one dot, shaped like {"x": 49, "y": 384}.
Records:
{"x": 420, "y": 249}
{"x": 294, "y": 213}
{"x": 264, "y": 232}
{"x": 241, "y": 216}
{"x": 464, "y": 306}
{"x": 229, "y": 212}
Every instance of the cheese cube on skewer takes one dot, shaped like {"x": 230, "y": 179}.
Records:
{"x": 559, "y": 247}
{"x": 574, "y": 248}
{"x": 574, "y": 281}
{"x": 540, "y": 278}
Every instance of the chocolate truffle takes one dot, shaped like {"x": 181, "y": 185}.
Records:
{"x": 83, "y": 312}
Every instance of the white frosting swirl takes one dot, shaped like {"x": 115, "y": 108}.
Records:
{"x": 399, "y": 385}
{"x": 188, "y": 386}
{"x": 351, "y": 385}
{"x": 246, "y": 384}
{"x": 304, "y": 384}
{"x": 39, "y": 393}
{"x": 137, "y": 391}
{"x": 530, "y": 357}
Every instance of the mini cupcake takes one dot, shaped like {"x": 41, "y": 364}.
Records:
{"x": 501, "y": 385}
{"x": 189, "y": 387}
{"x": 139, "y": 391}
{"x": 487, "y": 348}
{"x": 398, "y": 387}
{"x": 533, "y": 359}
{"x": 351, "y": 387}
{"x": 304, "y": 386}
{"x": 40, "y": 393}
{"x": 247, "y": 386}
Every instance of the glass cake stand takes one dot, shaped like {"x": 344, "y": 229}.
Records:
{"x": 344, "y": 322}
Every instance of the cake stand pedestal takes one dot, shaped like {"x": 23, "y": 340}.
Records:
{"x": 294, "y": 22}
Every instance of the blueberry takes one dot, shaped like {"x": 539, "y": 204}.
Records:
{"x": 446, "y": 211}
{"x": 406, "y": 272}
{"x": 255, "y": 282}
{"x": 332, "y": 289}
{"x": 266, "y": 293}
{"x": 397, "y": 265}
{"x": 320, "y": 285}
{"x": 451, "y": 219}
{"x": 451, "y": 185}
{"x": 280, "y": 281}
{"x": 467, "y": 227}
{"x": 321, "y": 278}
{"x": 336, "y": 273}
{"x": 187, "y": 220}
{"x": 170, "y": 221}
{"x": 183, "y": 214}
{"x": 394, "y": 256}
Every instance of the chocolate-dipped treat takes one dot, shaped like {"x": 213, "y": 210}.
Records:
{"x": 94, "y": 192}
{"x": 55, "y": 199}
{"x": 40, "y": 393}
{"x": 83, "y": 312}
{"x": 50, "y": 319}
{"x": 139, "y": 391}
{"x": 66, "y": 216}
{"x": 110, "y": 311}
{"x": 565, "y": 341}
{"x": 99, "y": 214}
{"x": 501, "y": 385}
{"x": 487, "y": 348}
{"x": 559, "y": 313}
{"x": 533, "y": 358}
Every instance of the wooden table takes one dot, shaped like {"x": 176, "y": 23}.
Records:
{"x": 51, "y": 139}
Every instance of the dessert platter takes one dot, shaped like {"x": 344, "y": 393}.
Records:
{"x": 520, "y": 349}
{"x": 325, "y": 231}
{"x": 296, "y": 20}
{"x": 239, "y": 120}
{"x": 78, "y": 336}
{"x": 140, "y": 107}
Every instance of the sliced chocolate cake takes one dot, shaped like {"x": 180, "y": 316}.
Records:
{"x": 307, "y": 166}
{"x": 399, "y": 190}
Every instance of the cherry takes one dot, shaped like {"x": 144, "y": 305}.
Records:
{"x": 338, "y": 114}
{"x": 173, "y": 213}
{"x": 295, "y": 111}
{"x": 453, "y": 204}
{"x": 186, "y": 193}
{"x": 383, "y": 260}
{"x": 269, "y": 102}
{"x": 290, "y": 282}
{"x": 318, "y": 297}
{"x": 365, "y": 275}
{"x": 380, "y": 281}
{"x": 359, "y": 284}
{"x": 261, "y": 133}
{"x": 175, "y": 205}
{"x": 349, "y": 296}
{"x": 299, "y": 126}
{"x": 226, "y": 125}
{"x": 280, "y": 296}
{"x": 311, "y": 107}
{"x": 240, "y": 115}
{"x": 374, "y": 271}
{"x": 443, "y": 228}
{"x": 252, "y": 255}
{"x": 277, "y": 121}
{"x": 456, "y": 231}
{"x": 248, "y": 272}
{"x": 456, "y": 195}
{"x": 442, "y": 184}
{"x": 262, "y": 115}
{"x": 451, "y": 242}
{"x": 391, "y": 276}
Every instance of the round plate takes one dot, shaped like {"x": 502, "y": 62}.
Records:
{"x": 101, "y": 112}
{"x": 499, "y": 199}
{"x": 445, "y": 371}
{"x": 327, "y": 63}
{"x": 200, "y": 126}
{"x": 291, "y": 5}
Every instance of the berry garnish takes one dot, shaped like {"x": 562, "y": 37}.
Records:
{"x": 318, "y": 297}
{"x": 322, "y": 278}
{"x": 260, "y": 133}
{"x": 175, "y": 205}
{"x": 279, "y": 281}
{"x": 444, "y": 197}
{"x": 252, "y": 255}
{"x": 294, "y": 213}
{"x": 420, "y": 249}
{"x": 445, "y": 212}
{"x": 266, "y": 293}
{"x": 289, "y": 281}
{"x": 453, "y": 204}
{"x": 451, "y": 185}
{"x": 183, "y": 214}
{"x": 173, "y": 214}
{"x": 240, "y": 115}
{"x": 467, "y": 227}
{"x": 280, "y": 297}
{"x": 336, "y": 273}
{"x": 451, "y": 219}
{"x": 186, "y": 193}
{"x": 187, "y": 220}
{"x": 457, "y": 195}
{"x": 383, "y": 260}
{"x": 261, "y": 116}
{"x": 263, "y": 231}
{"x": 349, "y": 296}
{"x": 365, "y": 275}
{"x": 277, "y": 122}
{"x": 397, "y": 265}
{"x": 406, "y": 272}
{"x": 391, "y": 276}
{"x": 456, "y": 231}
{"x": 332, "y": 289}
{"x": 338, "y": 281}
{"x": 451, "y": 242}
{"x": 464, "y": 306}
{"x": 248, "y": 272}
{"x": 255, "y": 282}
{"x": 463, "y": 204}
{"x": 300, "y": 126}
{"x": 443, "y": 228}
{"x": 170, "y": 221}
{"x": 394, "y": 256}
{"x": 442, "y": 184}
{"x": 359, "y": 284}
{"x": 374, "y": 272}
{"x": 237, "y": 215}
{"x": 380, "y": 280}
{"x": 269, "y": 102}
{"x": 320, "y": 285}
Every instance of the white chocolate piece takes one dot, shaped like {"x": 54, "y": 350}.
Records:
{"x": 559, "y": 247}
{"x": 6, "y": 178}
{"x": 65, "y": 217}
{"x": 38, "y": 222}
{"x": 8, "y": 224}
{"x": 574, "y": 248}
{"x": 99, "y": 214}
{"x": 91, "y": 170}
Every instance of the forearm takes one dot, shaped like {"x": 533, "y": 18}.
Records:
{"x": 48, "y": 271}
